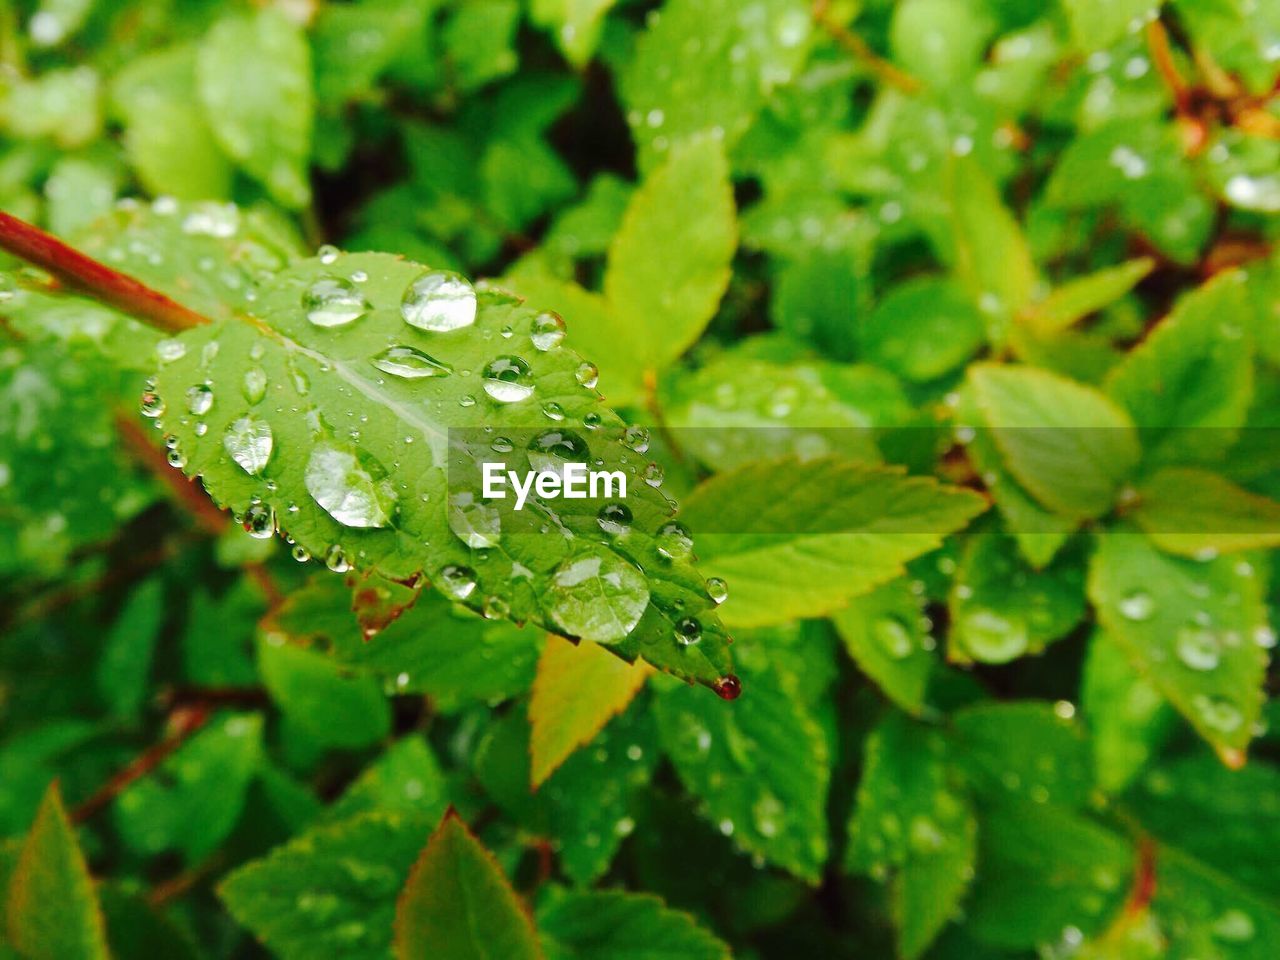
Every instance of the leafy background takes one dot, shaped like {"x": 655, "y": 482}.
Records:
{"x": 834, "y": 259}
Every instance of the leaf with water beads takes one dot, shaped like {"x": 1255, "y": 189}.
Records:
{"x": 383, "y": 387}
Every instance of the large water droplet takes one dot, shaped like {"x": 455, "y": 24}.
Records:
{"x": 1217, "y": 713}
{"x": 249, "y": 441}
{"x": 344, "y": 484}
{"x": 548, "y": 331}
{"x": 1198, "y": 648}
{"x": 587, "y": 374}
{"x": 728, "y": 687}
{"x": 637, "y": 438}
{"x": 1137, "y": 605}
{"x": 615, "y": 519}
{"x": 508, "y": 379}
{"x": 717, "y": 590}
{"x": 333, "y": 302}
{"x": 152, "y": 405}
{"x": 476, "y": 523}
{"x": 993, "y": 638}
{"x": 255, "y": 384}
{"x": 335, "y": 558}
{"x": 893, "y": 637}
{"x": 549, "y": 450}
{"x": 410, "y": 364}
{"x": 597, "y": 596}
{"x": 200, "y": 399}
{"x": 674, "y": 541}
{"x": 260, "y": 520}
{"x": 439, "y": 301}
{"x": 688, "y": 631}
{"x": 458, "y": 581}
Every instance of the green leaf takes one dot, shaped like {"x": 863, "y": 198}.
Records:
{"x": 575, "y": 693}
{"x": 166, "y": 136}
{"x": 886, "y": 633}
{"x": 1126, "y": 715}
{"x": 1209, "y": 910}
{"x": 253, "y": 75}
{"x": 331, "y": 891}
{"x": 733, "y": 57}
{"x": 800, "y": 539}
{"x": 616, "y": 925}
{"x": 1097, "y": 24}
{"x": 938, "y": 41}
{"x": 479, "y": 38}
{"x": 759, "y": 766}
{"x": 575, "y": 25}
{"x": 991, "y": 623}
{"x": 912, "y": 819}
{"x": 1188, "y": 385}
{"x": 923, "y": 329}
{"x": 662, "y": 297}
{"x": 1193, "y": 627}
{"x": 204, "y": 782}
{"x": 314, "y": 696}
{"x": 1042, "y": 869}
{"x": 52, "y": 911}
{"x": 138, "y": 931}
{"x": 1194, "y": 512}
{"x": 356, "y": 43}
{"x": 457, "y": 904}
{"x": 1085, "y": 295}
{"x": 397, "y": 492}
{"x": 1066, "y": 443}
{"x": 405, "y": 779}
{"x": 125, "y": 666}
{"x": 1024, "y": 749}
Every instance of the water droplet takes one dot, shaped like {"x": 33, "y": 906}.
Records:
{"x": 615, "y": 519}
{"x": 894, "y": 638}
{"x": 508, "y": 379}
{"x": 439, "y": 301}
{"x": 333, "y": 302}
{"x": 728, "y": 687}
{"x": 327, "y": 253}
{"x": 409, "y": 363}
{"x": 587, "y": 374}
{"x": 301, "y": 553}
{"x": 345, "y": 485}
{"x": 993, "y": 638}
{"x": 335, "y": 558}
{"x": 502, "y": 445}
{"x": 1217, "y": 713}
{"x": 200, "y": 399}
{"x": 169, "y": 350}
{"x": 717, "y": 590}
{"x": 260, "y": 520}
{"x": 249, "y": 441}
{"x": 1137, "y": 605}
{"x": 636, "y": 438}
{"x": 688, "y": 631}
{"x": 255, "y": 384}
{"x": 654, "y": 475}
{"x": 548, "y": 331}
{"x": 1198, "y": 648}
{"x": 1234, "y": 926}
{"x": 458, "y": 581}
{"x": 152, "y": 405}
{"x": 495, "y": 608}
{"x": 549, "y": 449}
{"x": 597, "y": 595}
{"x": 553, "y": 411}
{"x": 591, "y": 421}
{"x": 674, "y": 541}
{"x": 477, "y": 524}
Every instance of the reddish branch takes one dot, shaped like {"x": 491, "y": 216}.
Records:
{"x": 84, "y": 274}
{"x": 855, "y": 46}
{"x": 183, "y": 723}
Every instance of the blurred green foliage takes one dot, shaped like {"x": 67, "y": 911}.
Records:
{"x": 838, "y": 276}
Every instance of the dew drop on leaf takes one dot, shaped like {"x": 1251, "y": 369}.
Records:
{"x": 674, "y": 541}
{"x": 688, "y": 631}
{"x": 893, "y": 637}
{"x": 597, "y": 596}
{"x": 549, "y": 449}
{"x": 260, "y": 520}
{"x": 992, "y": 638}
{"x": 508, "y": 379}
{"x": 728, "y": 687}
{"x": 717, "y": 590}
{"x": 333, "y": 302}
{"x": 1137, "y": 605}
{"x": 255, "y": 384}
{"x": 458, "y": 581}
{"x": 439, "y": 301}
{"x": 477, "y": 524}
{"x": 408, "y": 363}
{"x": 615, "y": 519}
{"x": 1217, "y": 713}
{"x": 553, "y": 411}
{"x": 200, "y": 399}
{"x": 152, "y": 405}
{"x": 249, "y": 442}
{"x": 548, "y": 331}
{"x": 336, "y": 559}
{"x": 587, "y": 374}
{"x": 345, "y": 486}
{"x": 636, "y": 438}
{"x": 1198, "y": 648}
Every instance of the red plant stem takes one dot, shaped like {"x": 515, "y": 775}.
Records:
{"x": 185, "y": 722}
{"x": 86, "y": 275}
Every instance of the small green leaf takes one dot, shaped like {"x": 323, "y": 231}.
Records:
{"x": 1066, "y": 443}
{"x": 801, "y": 538}
{"x": 314, "y": 695}
{"x": 458, "y": 905}
{"x": 760, "y": 766}
{"x": 923, "y": 329}
{"x": 405, "y": 779}
{"x": 331, "y": 891}
{"x": 253, "y": 74}
{"x": 661, "y": 297}
{"x": 1097, "y": 24}
{"x": 204, "y": 782}
{"x": 125, "y": 666}
{"x": 1127, "y": 717}
{"x": 1195, "y": 628}
{"x": 52, "y": 910}
{"x": 575, "y": 25}
{"x": 611, "y": 924}
{"x": 1085, "y": 295}
{"x": 1194, "y": 512}
{"x": 886, "y": 634}
{"x": 1189, "y": 384}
